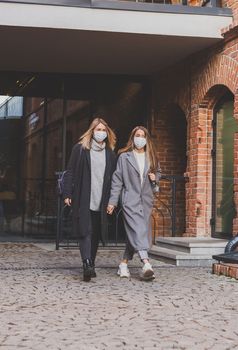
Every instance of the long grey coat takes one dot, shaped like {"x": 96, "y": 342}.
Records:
{"x": 136, "y": 199}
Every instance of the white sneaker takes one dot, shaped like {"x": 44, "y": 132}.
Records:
{"x": 147, "y": 273}
{"x": 123, "y": 271}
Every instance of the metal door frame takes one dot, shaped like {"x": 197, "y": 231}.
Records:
{"x": 226, "y": 98}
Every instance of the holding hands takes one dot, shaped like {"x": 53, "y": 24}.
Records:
{"x": 68, "y": 201}
{"x": 110, "y": 209}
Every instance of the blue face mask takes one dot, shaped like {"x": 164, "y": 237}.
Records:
{"x": 139, "y": 142}
{"x": 99, "y": 136}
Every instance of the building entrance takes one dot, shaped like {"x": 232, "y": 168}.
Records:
{"x": 35, "y": 145}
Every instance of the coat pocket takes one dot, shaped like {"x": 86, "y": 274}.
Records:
{"x": 124, "y": 195}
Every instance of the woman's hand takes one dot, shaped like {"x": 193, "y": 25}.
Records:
{"x": 151, "y": 176}
{"x": 110, "y": 209}
{"x": 68, "y": 201}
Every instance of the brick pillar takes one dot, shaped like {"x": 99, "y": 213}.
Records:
{"x": 198, "y": 200}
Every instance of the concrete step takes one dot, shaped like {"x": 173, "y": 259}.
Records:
{"x": 179, "y": 258}
{"x": 188, "y": 251}
{"x": 193, "y": 245}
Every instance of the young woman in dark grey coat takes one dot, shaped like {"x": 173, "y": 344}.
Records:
{"x": 134, "y": 182}
{"x": 87, "y": 189}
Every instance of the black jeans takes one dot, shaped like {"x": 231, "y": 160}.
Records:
{"x": 89, "y": 244}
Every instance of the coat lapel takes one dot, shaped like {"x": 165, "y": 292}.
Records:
{"x": 146, "y": 170}
{"x": 87, "y": 152}
{"x": 132, "y": 160}
{"x": 147, "y": 167}
{"x": 107, "y": 168}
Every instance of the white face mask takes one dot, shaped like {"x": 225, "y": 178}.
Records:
{"x": 139, "y": 142}
{"x": 99, "y": 136}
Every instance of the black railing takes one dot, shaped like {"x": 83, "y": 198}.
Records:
{"x": 39, "y": 211}
{"x": 41, "y": 214}
{"x": 165, "y": 220}
{"x": 30, "y": 214}
{"x": 170, "y": 200}
{"x": 65, "y": 238}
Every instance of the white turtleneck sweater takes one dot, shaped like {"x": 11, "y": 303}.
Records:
{"x": 140, "y": 158}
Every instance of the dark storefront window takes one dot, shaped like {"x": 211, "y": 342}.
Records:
{"x": 38, "y": 144}
{"x": 225, "y": 126}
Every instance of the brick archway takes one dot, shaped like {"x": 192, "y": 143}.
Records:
{"x": 220, "y": 72}
{"x": 199, "y": 188}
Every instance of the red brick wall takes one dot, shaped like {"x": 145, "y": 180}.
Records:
{"x": 195, "y": 85}
{"x": 169, "y": 133}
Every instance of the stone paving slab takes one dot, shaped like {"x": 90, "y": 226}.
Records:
{"x": 44, "y": 304}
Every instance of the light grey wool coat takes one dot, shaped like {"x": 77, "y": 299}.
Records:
{"x": 136, "y": 199}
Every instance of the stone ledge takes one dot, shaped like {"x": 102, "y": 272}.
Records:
{"x": 200, "y": 242}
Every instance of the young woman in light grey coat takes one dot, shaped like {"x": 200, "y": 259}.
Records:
{"x": 134, "y": 182}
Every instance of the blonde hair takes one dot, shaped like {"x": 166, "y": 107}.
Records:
{"x": 86, "y": 138}
{"x": 149, "y": 148}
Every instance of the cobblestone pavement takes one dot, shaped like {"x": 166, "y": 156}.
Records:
{"x": 46, "y": 305}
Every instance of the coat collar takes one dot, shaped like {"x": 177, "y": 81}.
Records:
{"x": 87, "y": 152}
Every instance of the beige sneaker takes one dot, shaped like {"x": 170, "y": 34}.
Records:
{"x": 147, "y": 273}
{"x": 123, "y": 271}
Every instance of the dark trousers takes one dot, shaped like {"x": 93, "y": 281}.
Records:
{"x": 89, "y": 244}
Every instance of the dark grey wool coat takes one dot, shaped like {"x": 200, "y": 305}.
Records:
{"x": 136, "y": 199}
{"x": 77, "y": 186}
